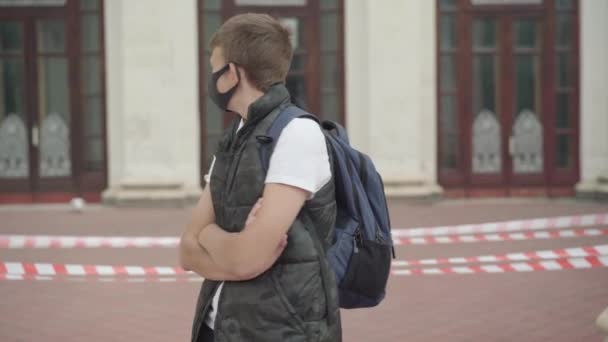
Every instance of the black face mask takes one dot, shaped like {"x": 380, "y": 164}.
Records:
{"x": 221, "y": 99}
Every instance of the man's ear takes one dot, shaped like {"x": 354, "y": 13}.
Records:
{"x": 235, "y": 72}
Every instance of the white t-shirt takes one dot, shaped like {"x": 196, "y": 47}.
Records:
{"x": 299, "y": 159}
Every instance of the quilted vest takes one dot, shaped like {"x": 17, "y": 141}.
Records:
{"x": 295, "y": 300}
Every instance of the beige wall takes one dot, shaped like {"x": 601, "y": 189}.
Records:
{"x": 594, "y": 96}
{"x": 390, "y": 84}
{"x": 152, "y": 83}
{"x": 152, "y": 102}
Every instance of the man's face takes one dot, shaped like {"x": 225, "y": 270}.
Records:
{"x": 229, "y": 78}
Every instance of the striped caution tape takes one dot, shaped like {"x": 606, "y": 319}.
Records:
{"x": 470, "y": 232}
{"x": 46, "y": 241}
{"x": 531, "y": 235}
{"x": 102, "y": 279}
{"x": 50, "y": 241}
{"x": 548, "y": 265}
{"x": 549, "y": 223}
{"x": 46, "y": 269}
{"x": 575, "y": 252}
{"x": 550, "y": 260}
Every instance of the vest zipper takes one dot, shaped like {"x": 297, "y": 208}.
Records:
{"x": 232, "y": 168}
{"x": 235, "y": 149}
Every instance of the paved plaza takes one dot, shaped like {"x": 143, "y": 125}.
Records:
{"x": 488, "y": 294}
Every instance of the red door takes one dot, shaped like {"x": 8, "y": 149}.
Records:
{"x": 52, "y": 121}
{"x": 35, "y": 118}
{"x": 507, "y": 97}
{"x": 507, "y": 102}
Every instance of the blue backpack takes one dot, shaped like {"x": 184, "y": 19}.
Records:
{"x": 360, "y": 255}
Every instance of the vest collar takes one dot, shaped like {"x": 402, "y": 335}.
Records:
{"x": 276, "y": 95}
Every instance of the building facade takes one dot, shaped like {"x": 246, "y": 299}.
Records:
{"x": 106, "y": 99}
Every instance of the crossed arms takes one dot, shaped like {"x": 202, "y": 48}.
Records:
{"x": 215, "y": 254}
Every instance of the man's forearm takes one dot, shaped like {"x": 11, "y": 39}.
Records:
{"x": 195, "y": 258}
{"x": 220, "y": 245}
{"x": 232, "y": 252}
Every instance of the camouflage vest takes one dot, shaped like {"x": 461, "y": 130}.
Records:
{"x": 294, "y": 300}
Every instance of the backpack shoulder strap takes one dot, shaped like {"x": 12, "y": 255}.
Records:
{"x": 269, "y": 141}
{"x": 335, "y": 129}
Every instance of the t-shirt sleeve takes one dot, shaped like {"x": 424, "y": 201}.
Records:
{"x": 300, "y": 157}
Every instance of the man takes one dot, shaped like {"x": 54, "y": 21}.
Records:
{"x": 255, "y": 236}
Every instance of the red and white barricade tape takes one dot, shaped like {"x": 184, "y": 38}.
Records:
{"x": 44, "y": 241}
{"x": 498, "y": 231}
{"x": 49, "y": 241}
{"x": 102, "y": 279}
{"x": 558, "y": 259}
{"x": 575, "y": 252}
{"x": 548, "y": 265}
{"x": 532, "y": 235}
{"x": 508, "y": 226}
{"x": 45, "y": 269}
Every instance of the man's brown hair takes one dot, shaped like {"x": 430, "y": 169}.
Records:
{"x": 259, "y": 44}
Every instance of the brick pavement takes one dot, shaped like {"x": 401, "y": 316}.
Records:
{"x": 539, "y": 306}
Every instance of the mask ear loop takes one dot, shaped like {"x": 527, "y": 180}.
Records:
{"x": 222, "y": 70}
{"x": 238, "y": 79}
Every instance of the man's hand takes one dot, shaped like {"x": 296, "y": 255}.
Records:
{"x": 277, "y": 252}
{"x": 254, "y": 212}
{"x": 251, "y": 218}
